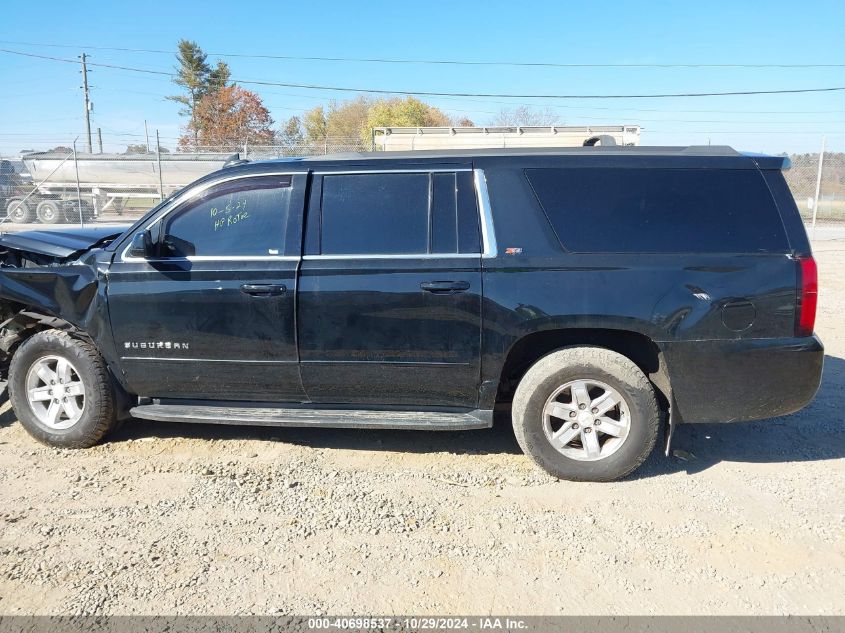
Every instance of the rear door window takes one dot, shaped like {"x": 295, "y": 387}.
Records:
{"x": 616, "y": 210}
{"x": 398, "y": 214}
{"x": 375, "y": 213}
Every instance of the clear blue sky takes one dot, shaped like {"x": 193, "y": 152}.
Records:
{"x": 41, "y": 103}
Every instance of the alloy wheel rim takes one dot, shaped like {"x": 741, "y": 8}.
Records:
{"x": 586, "y": 420}
{"x": 55, "y": 392}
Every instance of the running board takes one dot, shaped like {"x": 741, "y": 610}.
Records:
{"x": 460, "y": 420}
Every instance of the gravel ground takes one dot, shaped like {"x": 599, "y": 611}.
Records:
{"x": 184, "y": 519}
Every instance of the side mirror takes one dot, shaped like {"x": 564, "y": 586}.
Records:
{"x": 142, "y": 245}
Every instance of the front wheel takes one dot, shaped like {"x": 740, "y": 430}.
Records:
{"x": 61, "y": 390}
{"x": 586, "y": 414}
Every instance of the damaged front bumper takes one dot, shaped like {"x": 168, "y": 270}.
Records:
{"x": 50, "y": 278}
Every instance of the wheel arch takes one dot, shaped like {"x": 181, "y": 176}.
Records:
{"x": 639, "y": 348}
{"x": 602, "y": 139}
{"x": 20, "y": 323}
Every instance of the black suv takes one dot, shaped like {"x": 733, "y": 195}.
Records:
{"x": 595, "y": 292}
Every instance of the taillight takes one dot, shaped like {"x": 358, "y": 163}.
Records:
{"x": 808, "y": 292}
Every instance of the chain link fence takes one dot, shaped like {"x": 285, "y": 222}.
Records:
{"x": 821, "y": 175}
{"x": 65, "y": 186}
{"x": 331, "y": 145}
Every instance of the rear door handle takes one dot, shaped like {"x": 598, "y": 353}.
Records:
{"x": 263, "y": 290}
{"x": 444, "y": 287}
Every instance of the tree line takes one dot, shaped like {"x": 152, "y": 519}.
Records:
{"x": 222, "y": 115}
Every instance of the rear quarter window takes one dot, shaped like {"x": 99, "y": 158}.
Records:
{"x": 632, "y": 210}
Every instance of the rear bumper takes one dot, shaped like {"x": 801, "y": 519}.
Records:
{"x": 733, "y": 381}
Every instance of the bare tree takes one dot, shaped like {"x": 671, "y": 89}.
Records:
{"x": 525, "y": 115}
{"x": 139, "y": 148}
{"x": 291, "y": 135}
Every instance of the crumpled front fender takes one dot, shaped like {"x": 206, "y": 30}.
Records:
{"x": 68, "y": 292}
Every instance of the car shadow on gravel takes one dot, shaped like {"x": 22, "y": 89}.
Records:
{"x": 498, "y": 440}
{"x": 816, "y": 433}
{"x": 7, "y": 417}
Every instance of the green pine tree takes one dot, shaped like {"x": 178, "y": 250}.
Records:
{"x": 197, "y": 78}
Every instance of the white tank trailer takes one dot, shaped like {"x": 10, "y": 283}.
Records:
{"x": 105, "y": 182}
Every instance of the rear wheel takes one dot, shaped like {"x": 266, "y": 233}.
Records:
{"x": 604, "y": 140}
{"x": 586, "y": 413}
{"x": 19, "y": 211}
{"x": 61, "y": 390}
{"x": 48, "y": 212}
{"x": 71, "y": 211}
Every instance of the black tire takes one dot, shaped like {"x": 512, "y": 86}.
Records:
{"x": 71, "y": 211}
{"x": 49, "y": 212}
{"x": 19, "y": 211}
{"x": 551, "y": 372}
{"x": 604, "y": 140}
{"x": 98, "y": 413}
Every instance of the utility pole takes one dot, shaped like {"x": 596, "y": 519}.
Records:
{"x": 147, "y": 134}
{"x": 87, "y": 102}
{"x": 100, "y": 139}
{"x": 160, "y": 178}
{"x": 818, "y": 189}
{"x": 78, "y": 190}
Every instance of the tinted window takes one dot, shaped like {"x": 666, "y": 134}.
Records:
{"x": 454, "y": 215}
{"x": 245, "y": 217}
{"x": 660, "y": 210}
{"x": 397, "y": 214}
{"x": 375, "y": 213}
{"x": 444, "y": 213}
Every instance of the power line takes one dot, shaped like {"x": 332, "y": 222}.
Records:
{"x": 275, "y": 106}
{"x": 590, "y": 108}
{"x": 168, "y": 76}
{"x": 573, "y": 116}
{"x": 424, "y": 93}
{"x": 447, "y": 62}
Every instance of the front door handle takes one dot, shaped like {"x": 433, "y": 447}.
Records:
{"x": 263, "y": 290}
{"x": 444, "y": 287}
